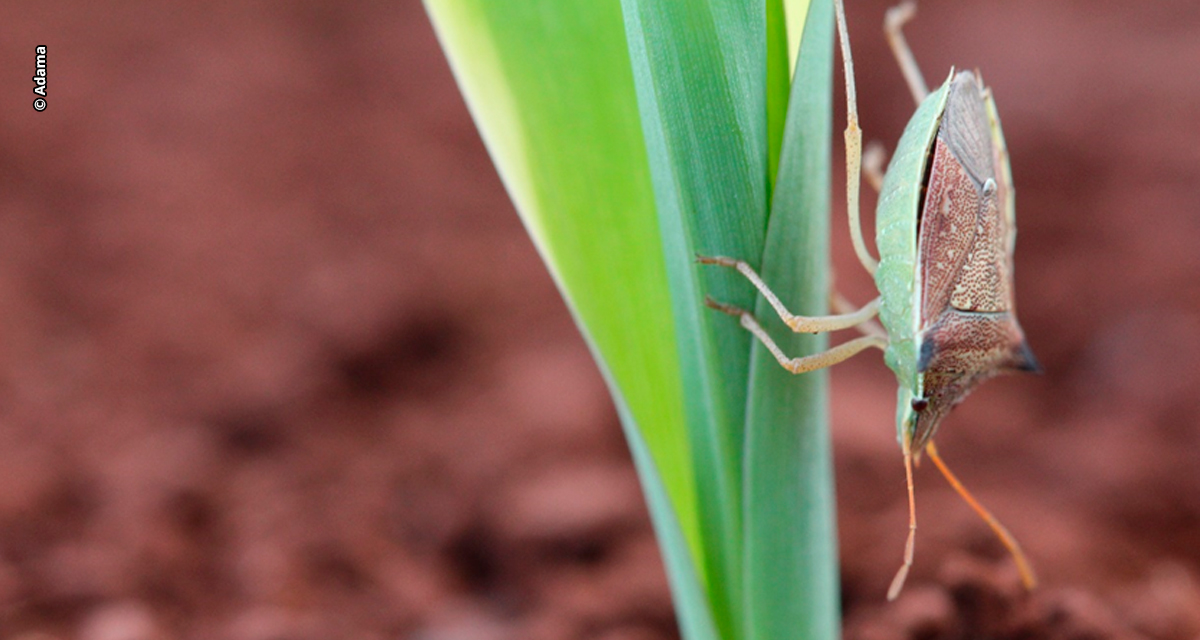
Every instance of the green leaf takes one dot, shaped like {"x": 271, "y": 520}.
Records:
{"x": 790, "y": 542}
{"x": 795, "y": 13}
{"x": 655, "y": 134}
{"x": 700, "y": 69}
{"x": 566, "y": 138}
{"x": 691, "y": 601}
{"x": 778, "y": 74}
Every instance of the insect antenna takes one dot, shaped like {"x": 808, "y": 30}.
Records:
{"x": 910, "y": 544}
{"x": 1028, "y": 579}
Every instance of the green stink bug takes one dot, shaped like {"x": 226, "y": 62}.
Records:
{"x": 945, "y": 230}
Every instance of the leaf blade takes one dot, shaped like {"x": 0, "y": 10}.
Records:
{"x": 791, "y": 544}
{"x": 567, "y": 142}
{"x": 700, "y": 72}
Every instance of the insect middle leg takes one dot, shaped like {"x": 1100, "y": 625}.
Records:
{"x": 874, "y": 157}
{"x": 801, "y": 364}
{"x": 841, "y": 305}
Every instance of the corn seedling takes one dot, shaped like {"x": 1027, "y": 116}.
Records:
{"x": 945, "y": 229}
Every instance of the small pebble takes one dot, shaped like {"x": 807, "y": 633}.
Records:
{"x": 121, "y": 621}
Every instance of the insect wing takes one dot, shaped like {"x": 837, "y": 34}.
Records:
{"x": 967, "y": 331}
{"x": 964, "y": 262}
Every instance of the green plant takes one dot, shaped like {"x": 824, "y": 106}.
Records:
{"x": 632, "y": 136}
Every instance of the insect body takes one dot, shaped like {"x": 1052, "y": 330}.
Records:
{"x": 945, "y": 273}
{"x": 946, "y": 229}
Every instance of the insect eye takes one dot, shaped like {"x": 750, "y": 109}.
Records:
{"x": 919, "y": 404}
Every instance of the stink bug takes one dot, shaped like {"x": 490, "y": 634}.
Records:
{"x": 945, "y": 229}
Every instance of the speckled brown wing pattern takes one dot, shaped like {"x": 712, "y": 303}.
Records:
{"x": 962, "y": 248}
{"x": 947, "y": 232}
{"x": 984, "y": 284}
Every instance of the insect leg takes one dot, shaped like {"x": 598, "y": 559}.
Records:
{"x": 841, "y": 305}
{"x": 803, "y": 364}
{"x": 799, "y": 324}
{"x": 853, "y": 147}
{"x": 893, "y": 22}
{"x": 910, "y": 544}
{"x": 1023, "y": 567}
{"x": 872, "y": 164}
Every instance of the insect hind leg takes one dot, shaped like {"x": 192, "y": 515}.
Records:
{"x": 893, "y": 25}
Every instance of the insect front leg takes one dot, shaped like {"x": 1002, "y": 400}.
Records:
{"x": 799, "y": 324}
{"x": 802, "y": 364}
{"x": 853, "y": 138}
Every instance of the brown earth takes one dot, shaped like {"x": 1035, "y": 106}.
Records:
{"x": 277, "y": 359}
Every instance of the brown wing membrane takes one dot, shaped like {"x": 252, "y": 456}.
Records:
{"x": 966, "y": 129}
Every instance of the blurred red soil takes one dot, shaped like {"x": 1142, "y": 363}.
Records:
{"x": 278, "y": 360}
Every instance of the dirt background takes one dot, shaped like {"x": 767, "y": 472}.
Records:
{"x": 278, "y": 361}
